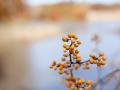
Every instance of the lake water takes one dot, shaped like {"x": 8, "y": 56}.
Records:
{"x": 41, "y": 53}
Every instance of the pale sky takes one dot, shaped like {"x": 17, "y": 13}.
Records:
{"x": 38, "y": 2}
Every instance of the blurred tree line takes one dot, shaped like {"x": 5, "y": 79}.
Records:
{"x": 12, "y": 8}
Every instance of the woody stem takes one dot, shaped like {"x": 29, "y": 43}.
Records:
{"x": 70, "y": 57}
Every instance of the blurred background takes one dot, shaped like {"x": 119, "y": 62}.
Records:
{"x": 30, "y": 39}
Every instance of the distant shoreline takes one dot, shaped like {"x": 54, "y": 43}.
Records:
{"x": 105, "y": 15}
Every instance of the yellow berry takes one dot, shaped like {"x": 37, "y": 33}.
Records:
{"x": 79, "y": 82}
{"x": 63, "y": 59}
{"x": 65, "y": 65}
{"x": 91, "y": 61}
{"x": 93, "y": 55}
{"x": 73, "y": 78}
{"x": 76, "y": 51}
{"x": 65, "y": 55}
{"x": 55, "y": 68}
{"x": 102, "y": 63}
{"x": 69, "y": 78}
{"x": 66, "y": 72}
{"x": 94, "y": 61}
{"x": 64, "y": 45}
{"x": 99, "y": 59}
{"x": 71, "y": 35}
{"x": 101, "y": 53}
{"x": 68, "y": 62}
{"x": 61, "y": 67}
{"x": 71, "y": 47}
{"x": 65, "y": 50}
{"x": 75, "y": 37}
{"x": 74, "y": 56}
{"x": 72, "y": 41}
{"x": 76, "y": 45}
{"x": 60, "y": 72}
{"x": 71, "y": 51}
{"x": 70, "y": 68}
{"x": 78, "y": 60}
{"x": 53, "y": 63}
{"x": 88, "y": 82}
{"x": 83, "y": 80}
{"x": 78, "y": 56}
{"x": 65, "y": 39}
{"x": 51, "y": 67}
{"x": 98, "y": 64}
{"x": 80, "y": 88}
{"x": 88, "y": 87}
{"x": 69, "y": 84}
{"x": 104, "y": 58}
{"x": 77, "y": 66}
{"x": 58, "y": 65}
{"x": 78, "y": 42}
{"x": 87, "y": 67}
{"x": 67, "y": 47}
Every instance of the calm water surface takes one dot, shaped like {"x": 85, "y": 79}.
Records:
{"x": 41, "y": 54}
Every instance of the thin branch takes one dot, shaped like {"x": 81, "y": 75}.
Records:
{"x": 70, "y": 57}
{"x": 84, "y": 62}
{"x": 78, "y": 62}
{"x": 109, "y": 75}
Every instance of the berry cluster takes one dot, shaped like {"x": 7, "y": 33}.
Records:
{"x": 71, "y": 60}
